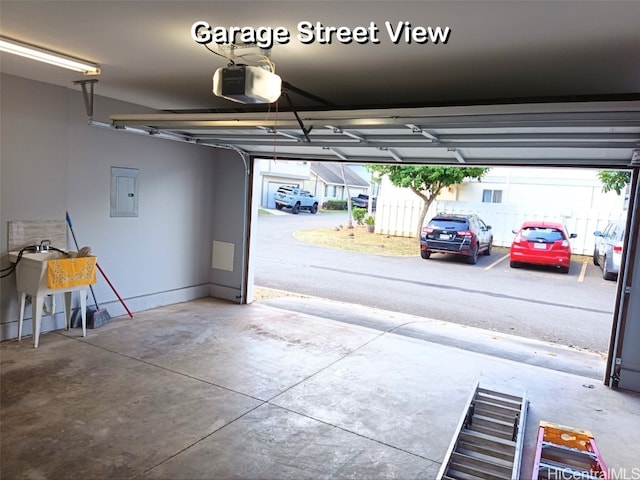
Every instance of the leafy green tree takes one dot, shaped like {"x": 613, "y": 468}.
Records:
{"x": 427, "y": 182}
{"x": 615, "y": 180}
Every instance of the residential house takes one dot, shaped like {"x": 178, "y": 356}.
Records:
{"x": 327, "y": 182}
{"x": 324, "y": 180}
{"x": 270, "y": 174}
{"x": 505, "y": 197}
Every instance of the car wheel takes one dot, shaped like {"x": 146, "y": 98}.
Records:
{"x": 473, "y": 258}
{"x": 296, "y": 209}
{"x": 425, "y": 254}
{"x": 595, "y": 257}
{"x": 606, "y": 274}
{"x": 278, "y": 206}
{"x": 564, "y": 269}
{"x": 514, "y": 264}
{"x": 314, "y": 208}
{"x": 487, "y": 252}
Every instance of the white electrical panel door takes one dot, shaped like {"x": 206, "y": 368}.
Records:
{"x": 124, "y": 192}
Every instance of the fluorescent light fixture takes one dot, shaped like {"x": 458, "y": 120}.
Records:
{"x": 47, "y": 56}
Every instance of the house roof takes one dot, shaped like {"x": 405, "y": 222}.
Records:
{"x": 331, "y": 173}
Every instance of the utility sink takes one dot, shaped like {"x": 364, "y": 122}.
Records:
{"x": 35, "y": 277}
{"x": 31, "y": 272}
{"x": 31, "y": 257}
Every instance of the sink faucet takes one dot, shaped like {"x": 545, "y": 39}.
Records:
{"x": 44, "y": 245}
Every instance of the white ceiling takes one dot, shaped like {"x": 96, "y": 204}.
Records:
{"x": 518, "y": 55}
{"x": 497, "y": 50}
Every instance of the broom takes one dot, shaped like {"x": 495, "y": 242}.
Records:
{"x": 99, "y": 316}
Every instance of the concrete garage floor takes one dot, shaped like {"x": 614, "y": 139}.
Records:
{"x": 213, "y": 390}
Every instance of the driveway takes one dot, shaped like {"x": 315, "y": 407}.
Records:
{"x": 574, "y": 309}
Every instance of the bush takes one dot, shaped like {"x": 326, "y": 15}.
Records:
{"x": 358, "y": 214}
{"x": 335, "y": 205}
{"x": 370, "y": 220}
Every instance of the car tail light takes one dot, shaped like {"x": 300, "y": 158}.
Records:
{"x": 617, "y": 248}
{"x": 427, "y": 230}
{"x": 565, "y": 244}
{"x": 465, "y": 233}
{"x": 518, "y": 239}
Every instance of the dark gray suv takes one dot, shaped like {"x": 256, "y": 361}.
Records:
{"x": 459, "y": 234}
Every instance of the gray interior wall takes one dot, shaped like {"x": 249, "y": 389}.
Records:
{"x": 52, "y": 161}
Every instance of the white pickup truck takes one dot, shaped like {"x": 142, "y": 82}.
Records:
{"x": 295, "y": 198}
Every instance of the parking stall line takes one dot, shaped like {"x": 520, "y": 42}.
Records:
{"x": 489, "y": 267}
{"x": 583, "y": 271}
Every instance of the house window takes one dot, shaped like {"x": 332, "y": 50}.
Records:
{"x": 330, "y": 191}
{"x": 492, "y": 196}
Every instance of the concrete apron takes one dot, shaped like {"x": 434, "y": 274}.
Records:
{"x": 209, "y": 389}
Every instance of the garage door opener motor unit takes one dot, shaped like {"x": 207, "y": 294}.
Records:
{"x": 247, "y": 84}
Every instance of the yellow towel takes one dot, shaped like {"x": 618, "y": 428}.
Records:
{"x": 71, "y": 272}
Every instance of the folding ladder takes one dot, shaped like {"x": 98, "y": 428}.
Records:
{"x": 567, "y": 452}
{"x": 488, "y": 442}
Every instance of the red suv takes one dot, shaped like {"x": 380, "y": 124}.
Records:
{"x": 542, "y": 243}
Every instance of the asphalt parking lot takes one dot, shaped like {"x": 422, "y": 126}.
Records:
{"x": 581, "y": 265}
{"x": 574, "y": 309}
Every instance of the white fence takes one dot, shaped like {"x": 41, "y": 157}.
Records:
{"x": 399, "y": 217}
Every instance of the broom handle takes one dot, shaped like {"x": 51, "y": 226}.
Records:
{"x": 101, "y": 271}
{"x": 114, "y": 290}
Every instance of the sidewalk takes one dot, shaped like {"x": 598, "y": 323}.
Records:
{"x": 510, "y": 347}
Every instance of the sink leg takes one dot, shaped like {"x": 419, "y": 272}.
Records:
{"x": 36, "y": 318}
{"x": 67, "y": 309}
{"x": 83, "y": 311}
{"x": 22, "y": 298}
